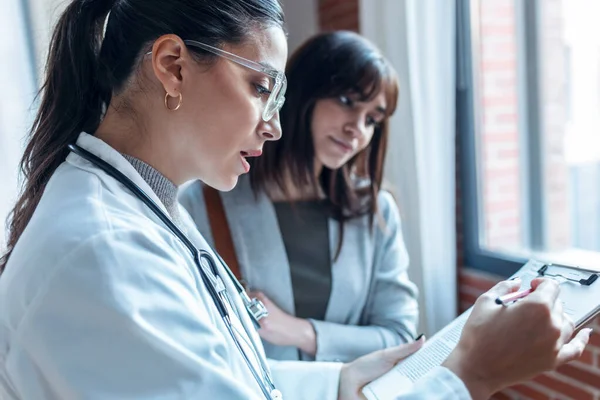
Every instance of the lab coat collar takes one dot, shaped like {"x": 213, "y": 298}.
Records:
{"x": 110, "y": 155}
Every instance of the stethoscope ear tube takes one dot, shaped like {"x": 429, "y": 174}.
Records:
{"x": 255, "y": 308}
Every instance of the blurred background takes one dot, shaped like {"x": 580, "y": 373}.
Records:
{"x": 495, "y": 149}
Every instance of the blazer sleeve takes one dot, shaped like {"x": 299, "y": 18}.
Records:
{"x": 122, "y": 317}
{"x": 391, "y": 311}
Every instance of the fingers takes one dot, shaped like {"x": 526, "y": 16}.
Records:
{"x": 367, "y": 368}
{"x": 573, "y": 350}
{"x": 564, "y": 321}
{"x": 256, "y": 294}
{"x": 545, "y": 289}
{"x": 393, "y": 355}
{"x": 260, "y": 296}
{"x": 504, "y": 287}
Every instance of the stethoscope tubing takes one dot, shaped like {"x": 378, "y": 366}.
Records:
{"x": 198, "y": 256}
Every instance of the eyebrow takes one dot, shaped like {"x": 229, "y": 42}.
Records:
{"x": 381, "y": 110}
{"x": 266, "y": 65}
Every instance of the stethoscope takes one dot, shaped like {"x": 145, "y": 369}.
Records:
{"x": 211, "y": 279}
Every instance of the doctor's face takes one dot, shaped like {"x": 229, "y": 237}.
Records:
{"x": 224, "y": 107}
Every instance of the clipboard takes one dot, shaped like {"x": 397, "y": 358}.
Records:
{"x": 585, "y": 281}
{"x": 579, "y": 287}
{"x": 580, "y": 295}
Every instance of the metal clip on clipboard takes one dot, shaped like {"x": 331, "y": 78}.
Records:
{"x": 543, "y": 271}
{"x": 580, "y": 299}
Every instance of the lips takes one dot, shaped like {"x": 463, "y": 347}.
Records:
{"x": 248, "y": 153}
{"x": 345, "y": 146}
{"x": 245, "y": 164}
{"x": 251, "y": 153}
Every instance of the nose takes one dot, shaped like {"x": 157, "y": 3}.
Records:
{"x": 271, "y": 130}
{"x": 355, "y": 127}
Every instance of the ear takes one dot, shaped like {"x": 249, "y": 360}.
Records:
{"x": 168, "y": 55}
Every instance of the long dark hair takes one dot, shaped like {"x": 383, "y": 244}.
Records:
{"x": 326, "y": 66}
{"x": 86, "y": 66}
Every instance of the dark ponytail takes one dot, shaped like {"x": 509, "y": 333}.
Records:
{"x": 84, "y": 69}
{"x": 71, "y": 102}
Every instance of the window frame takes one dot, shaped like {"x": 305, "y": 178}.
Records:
{"x": 11, "y": 139}
{"x": 533, "y": 210}
{"x": 27, "y": 22}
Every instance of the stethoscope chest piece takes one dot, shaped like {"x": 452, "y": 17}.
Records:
{"x": 207, "y": 268}
{"x": 258, "y": 309}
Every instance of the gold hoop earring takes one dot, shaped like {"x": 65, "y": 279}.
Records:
{"x": 178, "y": 103}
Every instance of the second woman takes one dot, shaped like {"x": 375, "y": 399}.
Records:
{"x": 314, "y": 235}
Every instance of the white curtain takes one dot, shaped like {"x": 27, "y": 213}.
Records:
{"x": 418, "y": 36}
{"x": 18, "y": 88}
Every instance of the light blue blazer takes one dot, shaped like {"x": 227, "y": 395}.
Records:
{"x": 372, "y": 303}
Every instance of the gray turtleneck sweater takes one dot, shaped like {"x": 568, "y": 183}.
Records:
{"x": 165, "y": 190}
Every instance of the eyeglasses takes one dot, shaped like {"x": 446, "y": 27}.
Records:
{"x": 276, "y": 94}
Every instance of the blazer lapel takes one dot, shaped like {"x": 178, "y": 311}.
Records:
{"x": 350, "y": 275}
{"x": 256, "y": 236}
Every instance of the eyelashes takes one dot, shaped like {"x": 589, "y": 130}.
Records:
{"x": 261, "y": 90}
{"x": 348, "y": 102}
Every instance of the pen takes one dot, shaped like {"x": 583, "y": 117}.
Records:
{"x": 508, "y": 298}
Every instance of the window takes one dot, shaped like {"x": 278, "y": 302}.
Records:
{"x": 17, "y": 80}
{"x": 529, "y": 131}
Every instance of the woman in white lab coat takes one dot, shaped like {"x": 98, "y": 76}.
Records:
{"x": 99, "y": 299}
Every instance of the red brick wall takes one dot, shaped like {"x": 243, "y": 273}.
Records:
{"x": 554, "y": 122}
{"x": 338, "y": 15}
{"x": 500, "y": 174}
{"x": 499, "y": 140}
{"x": 500, "y": 149}
{"x": 581, "y": 379}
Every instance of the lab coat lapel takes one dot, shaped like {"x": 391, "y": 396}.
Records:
{"x": 114, "y": 158}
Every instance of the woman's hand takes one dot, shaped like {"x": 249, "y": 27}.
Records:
{"x": 283, "y": 329}
{"x": 355, "y": 375}
{"x": 501, "y": 346}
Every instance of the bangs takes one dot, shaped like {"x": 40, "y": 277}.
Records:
{"x": 368, "y": 81}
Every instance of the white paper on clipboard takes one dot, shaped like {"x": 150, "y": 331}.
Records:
{"x": 580, "y": 302}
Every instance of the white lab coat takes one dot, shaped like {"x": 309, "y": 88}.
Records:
{"x": 100, "y": 301}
